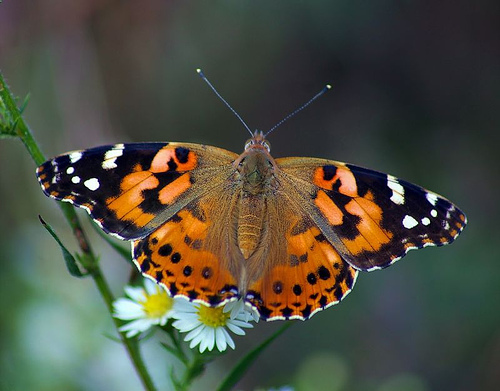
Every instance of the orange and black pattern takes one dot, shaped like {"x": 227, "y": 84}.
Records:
{"x": 287, "y": 236}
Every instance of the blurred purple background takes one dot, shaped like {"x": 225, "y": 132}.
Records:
{"x": 416, "y": 93}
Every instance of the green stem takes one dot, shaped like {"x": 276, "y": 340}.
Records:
{"x": 90, "y": 261}
{"x": 194, "y": 369}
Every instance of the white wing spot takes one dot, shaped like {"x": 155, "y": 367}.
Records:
{"x": 432, "y": 198}
{"x": 92, "y": 184}
{"x": 110, "y": 157}
{"x": 75, "y": 156}
{"x": 434, "y": 213}
{"x": 70, "y": 170}
{"x": 75, "y": 179}
{"x": 425, "y": 221}
{"x": 109, "y": 164}
{"x": 409, "y": 222}
{"x": 398, "y": 191}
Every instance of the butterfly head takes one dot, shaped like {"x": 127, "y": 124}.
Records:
{"x": 258, "y": 141}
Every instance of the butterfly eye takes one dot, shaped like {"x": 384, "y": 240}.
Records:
{"x": 248, "y": 144}
{"x": 267, "y": 145}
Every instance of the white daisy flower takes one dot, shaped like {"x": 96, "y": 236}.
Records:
{"x": 206, "y": 326}
{"x": 146, "y": 307}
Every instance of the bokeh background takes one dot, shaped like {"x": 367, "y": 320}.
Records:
{"x": 416, "y": 93}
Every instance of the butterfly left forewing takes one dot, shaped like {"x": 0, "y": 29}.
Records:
{"x": 372, "y": 219}
{"x": 131, "y": 189}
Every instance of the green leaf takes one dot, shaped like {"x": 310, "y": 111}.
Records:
{"x": 13, "y": 124}
{"x": 24, "y": 104}
{"x": 239, "y": 370}
{"x": 71, "y": 264}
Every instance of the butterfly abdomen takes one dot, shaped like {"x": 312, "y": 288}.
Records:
{"x": 250, "y": 220}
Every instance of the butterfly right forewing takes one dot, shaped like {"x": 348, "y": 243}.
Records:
{"x": 372, "y": 219}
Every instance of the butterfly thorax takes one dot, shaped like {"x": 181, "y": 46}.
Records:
{"x": 256, "y": 177}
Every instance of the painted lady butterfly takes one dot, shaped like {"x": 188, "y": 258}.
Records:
{"x": 287, "y": 235}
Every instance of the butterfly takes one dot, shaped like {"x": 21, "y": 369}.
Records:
{"x": 287, "y": 235}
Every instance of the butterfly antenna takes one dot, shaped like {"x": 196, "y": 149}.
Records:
{"x": 325, "y": 89}
{"x": 202, "y": 75}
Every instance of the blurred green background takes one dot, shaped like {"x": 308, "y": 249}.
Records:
{"x": 416, "y": 93}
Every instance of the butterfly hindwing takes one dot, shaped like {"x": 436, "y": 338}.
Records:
{"x": 372, "y": 219}
{"x": 311, "y": 277}
{"x": 176, "y": 256}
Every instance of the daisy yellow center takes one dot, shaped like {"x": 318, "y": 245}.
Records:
{"x": 212, "y": 317}
{"x": 157, "y": 305}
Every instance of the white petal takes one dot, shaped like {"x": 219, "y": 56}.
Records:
{"x": 194, "y": 342}
{"x": 241, "y": 323}
{"x": 220, "y": 339}
{"x": 136, "y": 327}
{"x": 185, "y": 325}
{"x": 203, "y": 345}
{"x": 135, "y": 293}
{"x": 163, "y": 320}
{"x": 235, "y": 307}
{"x": 254, "y": 314}
{"x": 131, "y": 333}
{"x": 235, "y": 329}
{"x": 198, "y": 339}
{"x": 184, "y": 316}
{"x": 184, "y": 305}
{"x": 193, "y": 333}
{"x": 154, "y": 321}
{"x": 151, "y": 287}
{"x": 210, "y": 338}
{"x": 249, "y": 313}
{"x": 127, "y": 309}
{"x": 229, "y": 340}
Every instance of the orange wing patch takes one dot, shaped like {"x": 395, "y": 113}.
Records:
{"x": 126, "y": 205}
{"x": 173, "y": 190}
{"x": 173, "y": 255}
{"x": 371, "y": 235}
{"x": 170, "y": 156}
{"x": 328, "y": 208}
{"x": 327, "y": 177}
